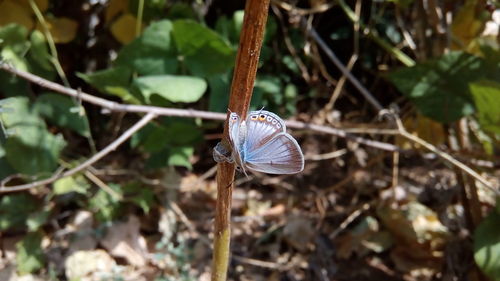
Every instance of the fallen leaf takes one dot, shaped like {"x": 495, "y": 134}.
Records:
{"x": 424, "y": 128}
{"x": 124, "y": 240}
{"x": 88, "y": 265}
{"x": 299, "y": 232}
{"x": 82, "y": 228}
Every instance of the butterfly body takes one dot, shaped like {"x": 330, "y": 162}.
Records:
{"x": 260, "y": 143}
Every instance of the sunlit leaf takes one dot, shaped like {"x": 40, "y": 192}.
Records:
{"x": 151, "y": 53}
{"x": 32, "y": 149}
{"x": 440, "y": 88}
{"x": 174, "y": 88}
{"x": 30, "y": 256}
{"x": 486, "y": 95}
{"x": 487, "y": 245}
{"x": 58, "y": 109}
{"x": 107, "y": 206}
{"x": 114, "y": 81}
{"x": 15, "y": 209}
{"x": 39, "y": 50}
{"x": 71, "y": 184}
{"x": 204, "y": 51}
{"x": 179, "y": 156}
{"x": 37, "y": 219}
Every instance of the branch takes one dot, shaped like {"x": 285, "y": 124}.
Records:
{"x": 345, "y": 71}
{"x": 112, "y": 146}
{"x": 190, "y": 113}
{"x": 404, "y": 133}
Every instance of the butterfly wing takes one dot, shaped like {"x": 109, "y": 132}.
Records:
{"x": 261, "y": 127}
{"x": 280, "y": 155}
{"x": 236, "y": 137}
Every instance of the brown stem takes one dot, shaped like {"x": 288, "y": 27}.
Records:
{"x": 247, "y": 60}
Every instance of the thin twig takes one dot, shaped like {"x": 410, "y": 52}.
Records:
{"x": 331, "y": 55}
{"x": 96, "y": 157}
{"x": 178, "y": 112}
{"x": 404, "y": 133}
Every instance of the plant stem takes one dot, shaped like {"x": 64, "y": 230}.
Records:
{"x": 247, "y": 60}
{"x": 398, "y": 54}
{"x": 140, "y": 12}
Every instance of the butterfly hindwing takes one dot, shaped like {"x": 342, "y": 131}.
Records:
{"x": 280, "y": 155}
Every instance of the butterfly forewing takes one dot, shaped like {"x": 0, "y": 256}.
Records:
{"x": 262, "y": 126}
{"x": 280, "y": 155}
{"x": 234, "y": 126}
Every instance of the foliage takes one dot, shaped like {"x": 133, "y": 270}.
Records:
{"x": 487, "y": 245}
{"x": 181, "y": 54}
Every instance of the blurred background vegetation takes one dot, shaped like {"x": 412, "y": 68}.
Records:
{"x": 145, "y": 211}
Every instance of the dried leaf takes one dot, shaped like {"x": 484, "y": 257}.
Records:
{"x": 299, "y": 232}
{"x": 124, "y": 240}
{"x": 13, "y": 12}
{"x": 123, "y": 29}
{"x": 424, "y": 128}
{"x": 42, "y": 5}
{"x": 88, "y": 265}
{"x": 114, "y": 8}
{"x": 63, "y": 30}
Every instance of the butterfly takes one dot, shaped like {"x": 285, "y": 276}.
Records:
{"x": 260, "y": 143}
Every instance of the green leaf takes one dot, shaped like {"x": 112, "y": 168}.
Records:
{"x": 440, "y": 88}
{"x": 219, "y": 92}
{"x": 71, "y": 184}
{"x": 170, "y": 87}
{"x": 39, "y": 50}
{"x": 15, "y": 209}
{"x": 32, "y": 149}
{"x": 58, "y": 109}
{"x": 114, "y": 81}
{"x": 106, "y": 206}
{"x": 486, "y": 95}
{"x": 5, "y": 169}
{"x": 142, "y": 196}
{"x": 15, "y": 36}
{"x": 152, "y": 53}
{"x": 39, "y": 58}
{"x": 205, "y": 52}
{"x": 179, "y": 156}
{"x": 176, "y": 132}
{"x": 35, "y": 160}
{"x": 171, "y": 156}
{"x": 37, "y": 219}
{"x": 487, "y": 245}
{"x": 30, "y": 256}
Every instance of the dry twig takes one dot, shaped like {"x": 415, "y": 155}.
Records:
{"x": 112, "y": 146}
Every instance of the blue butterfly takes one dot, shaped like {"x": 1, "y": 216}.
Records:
{"x": 260, "y": 143}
